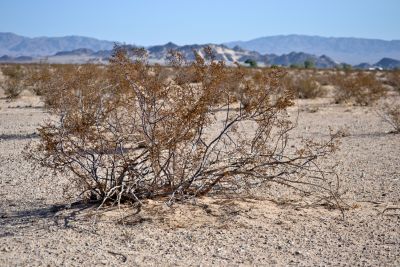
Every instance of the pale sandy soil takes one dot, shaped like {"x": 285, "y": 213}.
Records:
{"x": 263, "y": 230}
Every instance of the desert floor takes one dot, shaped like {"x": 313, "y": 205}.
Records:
{"x": 266, "y": 229}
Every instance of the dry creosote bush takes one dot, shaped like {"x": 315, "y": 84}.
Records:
{"x": 359, "y": 88}
{"x": 13, "y": 82}
{"x": 32, "y": 77}
{"x": 393, "y": 79}
{"x": 390, "y": 113}
{"x": 304, "y": 86}
{"x": 131, "y": 131}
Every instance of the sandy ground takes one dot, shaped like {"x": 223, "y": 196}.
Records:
{"x": 263, "y": 230}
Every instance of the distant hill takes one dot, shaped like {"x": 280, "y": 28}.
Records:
{"x": 16, "y": 45}
{"x": 299, "y": 58}
{"x": 238, "y": 54}
{"x": 349, "y": 50}
{"x": 384, "y": 63}
{"x": 76, "y": 52}
{"x": 21, "y": 59}
{"x": 221, "y": 52}
{"x": 388, "y": 63}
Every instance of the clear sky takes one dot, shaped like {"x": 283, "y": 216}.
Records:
{"x": 200, "y": 21}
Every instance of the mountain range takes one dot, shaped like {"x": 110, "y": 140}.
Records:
{"x": 159, "y": 54}
{"x": 276, "y": 50}
{"x": 16, "y": 45}
{"x": 349, "y": 50}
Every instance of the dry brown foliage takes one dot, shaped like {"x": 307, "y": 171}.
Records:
{"x": 38, "y": 78}
{"x": 360, "y": 88}
{"x": 32, "y": 77}
{"x": 55, "y": 82}
{"x": 132, "y": 130}
{"x": 14, "y": 81}
{"x": 391, "y": 115}
{"x": 304, "y": 86}
{"x": 393, "y": 79}
{"x": 323, "y": 77}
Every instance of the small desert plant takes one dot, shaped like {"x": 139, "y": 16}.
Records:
{"x": 393, "y": 79}
{"x": 39, "y": 77}
{"x": 134, "y": 132}
{"x": 391, "y": 115}
{"x": 49, "y": 81}
{"x": 346, "y": 67}
{"x": 360, "y": 88}
{"x": 252, "y": 63}
{"x": 322, "y": 77}
{"x": 304, "y": 86}
{"x": 14, "y": 81}
{"x": 309, "y": 64}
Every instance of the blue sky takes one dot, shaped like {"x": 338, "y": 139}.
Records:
{"x": 200, "y": 21}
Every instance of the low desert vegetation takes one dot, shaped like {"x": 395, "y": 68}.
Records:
{"x": 393, "y": 79}
{"x": 323, "y": 77}
{"x": 38, "y": 78}
{"x": 32, "y": 77}
{"x": 391, "y": 114}
{"x": 252, "y": 63}
{"x": 131, "y": 131}
{"x": 14, "y": 80}
{"x": 309, "y": 64}
{"x": 304, "y": 86}
{"x": 359, "y": 88}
